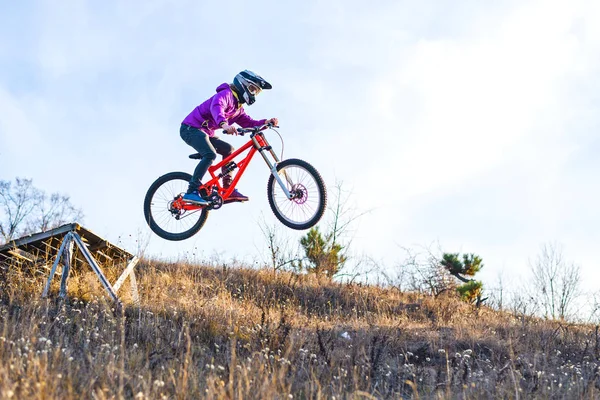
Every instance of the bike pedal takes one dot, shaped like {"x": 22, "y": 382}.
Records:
{"x": 234, "y": 201}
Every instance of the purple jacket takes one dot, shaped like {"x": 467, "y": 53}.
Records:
{"x": 223, "y": 106}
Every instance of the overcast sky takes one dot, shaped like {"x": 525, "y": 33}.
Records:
{"x": 470, "y": 124}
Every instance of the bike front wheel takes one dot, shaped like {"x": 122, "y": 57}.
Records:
{"x": 164, "y": 211}
{"x": 309, "y": 196}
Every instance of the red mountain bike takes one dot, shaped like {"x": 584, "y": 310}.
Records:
{"x": 295, "y": 190}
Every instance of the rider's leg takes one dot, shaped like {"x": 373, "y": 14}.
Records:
{"x": 225, "y": 149}
{"x": 201, "y": 143}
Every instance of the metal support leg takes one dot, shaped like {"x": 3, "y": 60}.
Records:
{"x": 127, "y": 272}
{"x": 66, "y": 239}
{"x": 90, "y": 259}
{"x": 67, "y": 260}
{"x": 134, "y": 289}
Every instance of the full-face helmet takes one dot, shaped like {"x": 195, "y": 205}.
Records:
{"x": 248, "y": 85}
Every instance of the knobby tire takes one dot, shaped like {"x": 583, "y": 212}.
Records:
{"x": 321, "y": 195}
{"x": 150, "y": 219}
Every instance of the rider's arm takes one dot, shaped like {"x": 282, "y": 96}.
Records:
{"x": 245, "y": 121}
{"x": 218, "y": 106}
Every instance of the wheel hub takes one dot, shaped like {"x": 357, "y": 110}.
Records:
{"x": 174, "y": 209}
{"x": 299, "y": 193}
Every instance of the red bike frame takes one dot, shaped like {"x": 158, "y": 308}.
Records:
{"x": 257, "y": 142}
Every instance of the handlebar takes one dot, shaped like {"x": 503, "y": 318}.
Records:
{"x": 255, "y": 129}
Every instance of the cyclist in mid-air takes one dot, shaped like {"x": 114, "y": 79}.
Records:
{"x": 221, "y": 111}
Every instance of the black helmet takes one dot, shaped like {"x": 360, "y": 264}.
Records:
{"x": 248, "y": 85}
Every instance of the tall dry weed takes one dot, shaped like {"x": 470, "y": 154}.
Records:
{"x": 205, "y": 332}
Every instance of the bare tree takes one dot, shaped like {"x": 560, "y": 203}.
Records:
{"x": 280, "y": 252}
{"x": 338, "y": 237}
{"x": 522, "y": 303}
{"x": 18, "y": 202}
{"x": 54, "y": 210}
{"x": 25, "y": 209}
{"x": 594, "y": 303}
{"x": 497, "y": 298}
{"x": 421, "y": 271}
{"x": 343, "y": 214}
{"x": 556, "y": 282}
{"x": 363, "y": 266}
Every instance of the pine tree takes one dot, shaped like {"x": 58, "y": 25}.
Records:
{"x": 322, "y": 253}
{"x": 471, "y": 289}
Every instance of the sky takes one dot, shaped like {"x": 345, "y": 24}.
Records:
{"x": 468, "y": 124}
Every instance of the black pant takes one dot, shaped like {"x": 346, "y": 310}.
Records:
{"x": 208, "y": 147}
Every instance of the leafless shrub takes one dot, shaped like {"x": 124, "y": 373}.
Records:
{"x": 281, "y": 254}
{"x": 422, "y": 272}
{"x": 556, "y": 282}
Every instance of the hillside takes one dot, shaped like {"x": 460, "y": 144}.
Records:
{"x": 205, "y": 332}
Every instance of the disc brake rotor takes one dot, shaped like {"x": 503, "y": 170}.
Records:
{"x": 300, "y": 193}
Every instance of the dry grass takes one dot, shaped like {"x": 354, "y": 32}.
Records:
{"x": 204, "y": 332}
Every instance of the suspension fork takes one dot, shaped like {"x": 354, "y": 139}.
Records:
{"x": 262, "y": 145}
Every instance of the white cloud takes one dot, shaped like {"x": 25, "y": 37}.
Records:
{"x": 479, "y": 98}
{"x": 491, "y": 106}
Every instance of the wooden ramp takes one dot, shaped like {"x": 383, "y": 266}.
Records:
{"x": 71, "y": 246}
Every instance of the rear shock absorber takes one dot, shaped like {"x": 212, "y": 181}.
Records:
{"x": 227, "y": 168}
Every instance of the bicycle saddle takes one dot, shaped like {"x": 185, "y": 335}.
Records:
{"x": 195, "y": 156}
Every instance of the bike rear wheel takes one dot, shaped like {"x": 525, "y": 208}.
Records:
{"x": 310, "y": 196}
{"x": 162, "y": 214}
